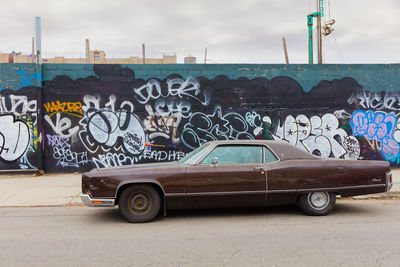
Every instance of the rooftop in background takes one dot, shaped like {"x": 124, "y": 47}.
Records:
{"x": 189, "y": 59}
{"x": 94, "y": 57}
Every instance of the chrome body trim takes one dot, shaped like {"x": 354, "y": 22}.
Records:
{"x": 204, "y": 154}
{"x": 133, "y": 182}
{"x": 88, "y": 201}
{"x": 273, "y": 152}
{"x": 326, "y": 189}
{"x": 217, "y": 193}
{"x": 389, "y": 184}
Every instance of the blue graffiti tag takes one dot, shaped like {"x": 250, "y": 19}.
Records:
{"x": 377, "y": 126}
{"x": 26, "y": 81}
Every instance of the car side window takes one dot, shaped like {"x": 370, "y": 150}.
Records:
{"x": 269, "y": 156}
{"x": 238, "y": 154}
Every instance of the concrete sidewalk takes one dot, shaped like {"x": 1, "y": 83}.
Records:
{"x": 64, "y": 190}
{"x": 37, "y": 191}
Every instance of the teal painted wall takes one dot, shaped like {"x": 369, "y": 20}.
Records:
{"x": 16, "y": 76}
{"x": 373, "y": 77}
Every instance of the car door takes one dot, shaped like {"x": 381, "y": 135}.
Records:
{"x": 237, "y": 179}
{"x": 281, "y": 182}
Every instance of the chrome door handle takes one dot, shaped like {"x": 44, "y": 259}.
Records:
{"x": 261, "y": 169}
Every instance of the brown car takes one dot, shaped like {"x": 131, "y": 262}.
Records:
{"x": 237, "y": 173}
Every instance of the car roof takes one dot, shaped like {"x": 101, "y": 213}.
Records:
{"x": 282, "y": 149}
{"x": 246, "y": 141}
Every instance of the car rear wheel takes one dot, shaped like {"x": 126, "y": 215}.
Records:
{"x": 139, "y": 203}
{"x": 317, "y": 203}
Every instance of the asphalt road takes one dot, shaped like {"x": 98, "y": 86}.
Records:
{"x": 356, "y": 233}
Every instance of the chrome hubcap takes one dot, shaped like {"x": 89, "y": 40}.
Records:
{"x": 319, "y": 200}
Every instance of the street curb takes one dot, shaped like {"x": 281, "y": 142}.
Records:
{"x": 46, "y": 205}
{"x": 32, "y": 206}
{"x": 75, "y": 201}
{"x": 387, "y": 195}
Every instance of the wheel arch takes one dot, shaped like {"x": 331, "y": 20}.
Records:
{"x": 155, "y": 185}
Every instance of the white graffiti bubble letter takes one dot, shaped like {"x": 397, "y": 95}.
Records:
{"x": 106, "y": 127}
{"x": 14, "y": 138}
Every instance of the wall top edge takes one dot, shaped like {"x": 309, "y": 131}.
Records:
{"x": 222, "y": 64}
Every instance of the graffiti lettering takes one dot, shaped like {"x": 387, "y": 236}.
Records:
{"x": 165, "y": 126}
{"x": 318, "y": 135}
{"x": 14, "y": 138}
{"x": 92, "y": 103}
{"x": 202, "y": 128}
{"x": 104, "y": 127}
{"x": 254, "y": 120}
{"x": 376, "y": 100}
{"x": 64, "y": 107}
{"x": 56, "y": 140}
{"x": 62, "y": 126}
{"x": 352, "y": 147}
{"x": 176, "y": 87}
{"x": 18, "y": 105}
{"x": 377, "y": 126}
{"x": 110, "y": 160}
{"x": 67, "y": 158}
{"x": 163, "y": 155}
{"x": 165, "y": 107}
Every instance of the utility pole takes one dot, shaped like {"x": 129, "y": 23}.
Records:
{"x": 205, "y": 56}
{"x": 310, "y": 19}
{"x": 38, "y": 40}
{"x": 285, "y": 50}
{"x": 324, "y": 28}
{"x": 87, "y": 51}
{"x": 319, "y": 30}
{"x": 38, "y": 56}
{"x": 33, "y": 49}
{"x": 144, "y": 54}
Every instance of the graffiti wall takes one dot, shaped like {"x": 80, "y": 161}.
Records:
{"x": 20, "y": 122}
{"x": 100, "y": 116}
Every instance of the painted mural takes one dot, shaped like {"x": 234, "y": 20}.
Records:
{"x": 113, "y": 118}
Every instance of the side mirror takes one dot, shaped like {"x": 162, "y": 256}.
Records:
{"x": 214, "y": 161}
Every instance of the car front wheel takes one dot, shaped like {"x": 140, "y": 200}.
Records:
{"x": 139, "y": 203}
{"x": 317, "y": 203}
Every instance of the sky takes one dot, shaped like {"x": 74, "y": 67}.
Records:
{"x": 234, "y": 31}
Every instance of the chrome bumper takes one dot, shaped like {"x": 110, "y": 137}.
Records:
{"x": 97, "y": 202}
{"x": 389, "y": 181}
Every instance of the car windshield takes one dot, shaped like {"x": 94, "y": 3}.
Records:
{"x": 193, "y": 154}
